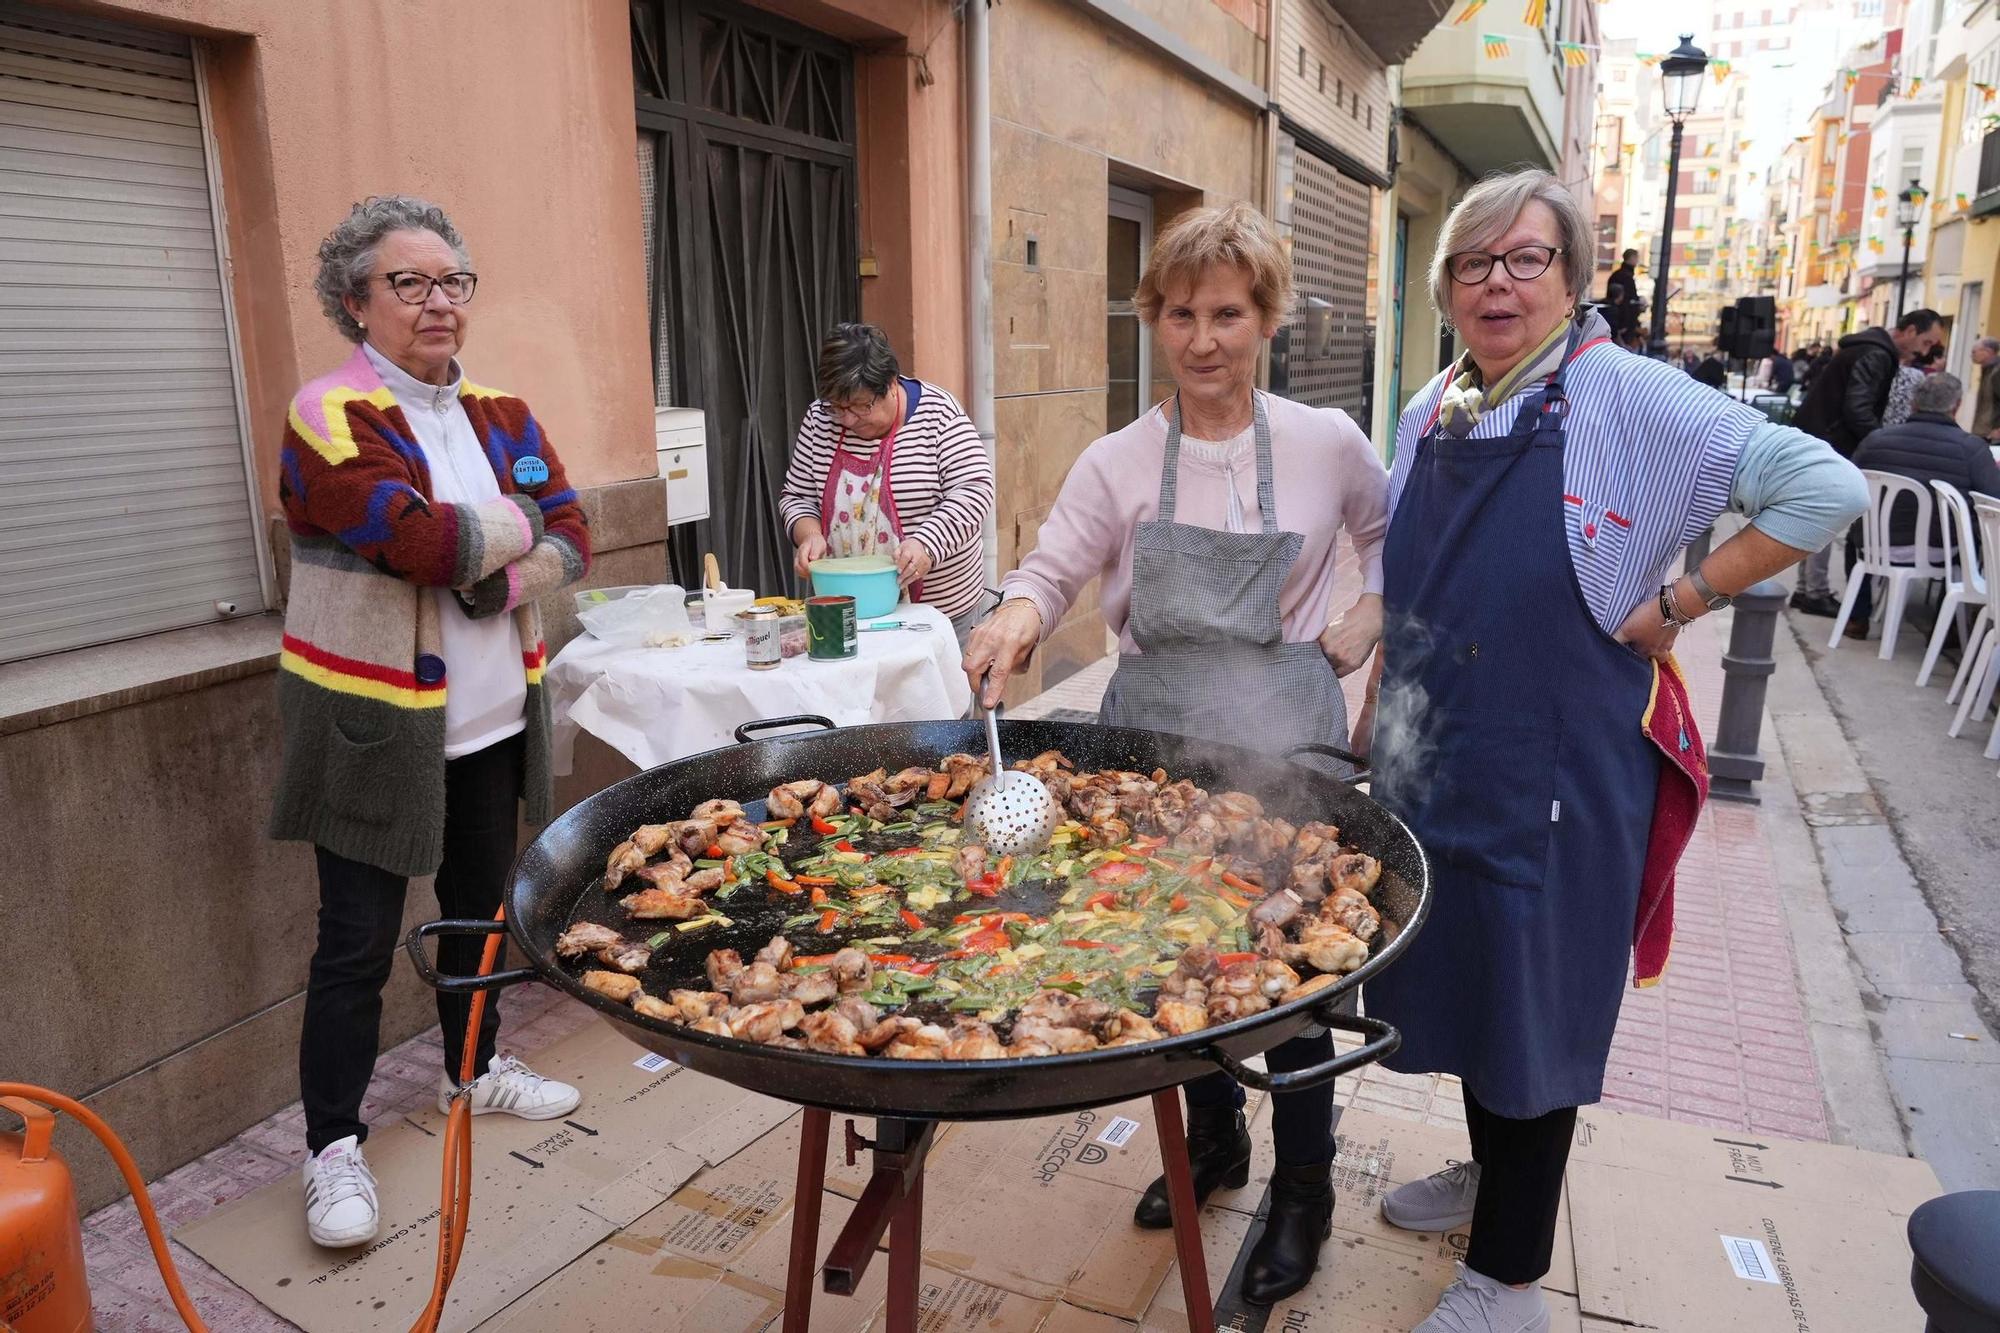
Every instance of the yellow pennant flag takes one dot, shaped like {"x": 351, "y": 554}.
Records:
{"x": 1537, "y": 11}
{"x": 1471, "y": 7}
{"x": 1496, "y": 46}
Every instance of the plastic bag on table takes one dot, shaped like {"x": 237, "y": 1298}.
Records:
{"x": 649, "y": 617}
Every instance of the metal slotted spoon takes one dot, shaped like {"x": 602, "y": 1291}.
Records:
{"x": 1011, "y": 813}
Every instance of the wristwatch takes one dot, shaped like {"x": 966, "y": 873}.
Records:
{"x": 1703, "y": 589}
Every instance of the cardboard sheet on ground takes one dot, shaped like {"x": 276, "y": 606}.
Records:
{"x": 544, "y": 1192}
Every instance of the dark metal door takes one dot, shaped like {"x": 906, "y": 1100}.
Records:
{"x": 755, "y": 249}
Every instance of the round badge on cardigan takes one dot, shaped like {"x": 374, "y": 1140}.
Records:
{"x": 530, "y": 470}
{"x": 430, "y": 669}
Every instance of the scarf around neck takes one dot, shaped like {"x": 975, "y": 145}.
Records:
{"x": 1466, "y": 399}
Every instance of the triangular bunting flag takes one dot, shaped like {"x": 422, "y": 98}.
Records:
{"x": 1537, "y": 11}
{"x": 1471, "y": 7}
{"x": 1496, "y": 46}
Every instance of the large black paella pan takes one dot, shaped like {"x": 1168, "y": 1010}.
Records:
{"x": 556, "y": 883}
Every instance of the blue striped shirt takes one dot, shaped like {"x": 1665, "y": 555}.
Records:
{"x": 1649, "y": 458}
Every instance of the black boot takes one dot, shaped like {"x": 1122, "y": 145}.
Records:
{"x": 1301, "y": 1219}
{"x": 1218, "y": 1145}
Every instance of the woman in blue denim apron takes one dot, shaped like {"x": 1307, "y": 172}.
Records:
{"x": 1540, "y": 488}
{"x": 1216, "y": 552}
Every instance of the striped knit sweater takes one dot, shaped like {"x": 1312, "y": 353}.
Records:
{"x": 940, "y": 477}
{"x": 361, "y": 685}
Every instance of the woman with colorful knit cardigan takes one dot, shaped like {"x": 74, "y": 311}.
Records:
{"x": 427, "y": 514}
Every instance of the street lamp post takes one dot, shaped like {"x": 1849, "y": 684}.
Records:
{"x": 1908, "y": 204}
{"x": 1680, "y": 88}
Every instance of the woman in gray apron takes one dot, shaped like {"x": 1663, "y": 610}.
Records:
{"x": 1212, "y": 524}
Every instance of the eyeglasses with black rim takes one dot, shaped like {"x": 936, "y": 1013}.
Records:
{"x": 1524, "y": 263}
{"x": 414, "y": 288}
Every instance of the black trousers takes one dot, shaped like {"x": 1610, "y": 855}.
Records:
{"x": 1521, "y": 1165}
{"x": 1301, "y": 1122}
{"x": 360, "y": 927}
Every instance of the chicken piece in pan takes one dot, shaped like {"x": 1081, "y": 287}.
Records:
{"x": 908, "y": 783}
{"x": 1265, "y": 840}
{"x": 714, "y": 1025}
{"x": 604, "y": 944}
{"x": 1354, "y": 872}
{"x": 1178, "y": 1017}
{"x": 1036, "y": 1036}
{"x": 1061, "y": 1009}
{"x": 795, "y": 800}
{"x": 970, "y": 1039}
{"x": 1126, "y": 1028}
{"x": 757, "y": 982}
{"x": 695, "y": 1005}
{"x": 1353, "y": 911}
{"x": 625, "y": 859}
{"x": 693, "y": 837}
{"x": 764, "y": 1020}
{"x": 852, "y": 970}
{"x": 1192, "y": 972}
{"x": 1315, "y": 841}
{"x": 612, "y": 985}
{"x": 1328, "y": 946}
{"x": 858, "y": 1011}
{"x": 651, "y": 1006}
{"x": 1236, "y": 813}
{"x": 721, "y": 810}
{"x": 738, "y": 836}
{"x": 873, "y": 1035}
{"x": 1248, "y": 987}
{"x": 663, "y": 905}
{"x": 957, "y": 774}
{"x": 1200, "y": 836}
{"x": 918, "y": 1041}
{"x": 970, "y": 861}
{"x": 723, "y": 964}
{"x": 831, "y": 1034}
{"x": 778, "y": 953}
{"x": 808, "y": 988}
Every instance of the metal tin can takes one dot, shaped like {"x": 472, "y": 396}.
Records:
{"x": 761, "y": 648}
{"x": 830, "y": 632}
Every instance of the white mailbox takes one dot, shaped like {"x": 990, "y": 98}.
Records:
{"x": 681, "y": 439}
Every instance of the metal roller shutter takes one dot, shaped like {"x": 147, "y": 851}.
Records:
{"x": 124, "y": 506}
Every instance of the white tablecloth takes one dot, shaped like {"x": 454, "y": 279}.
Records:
{"x": 654, "y": 705}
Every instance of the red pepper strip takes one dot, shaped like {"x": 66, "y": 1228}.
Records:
{"x": 843, "y": 846}
{"x": 954, "y": 954}
{"x": 812, "y": 959}
{"x": 1148, "y": 844}
{"x": 1231, "y": 959}
{"x": 985, "y": 941}
{"x": 1240, "y": 884}
{"x": 911, "y": 919}
{"x": 779, "y": 882}
{"x": 714, "y": 852}
{"x": 826, "y": 920}
{"x": 1085, "y": 944}
{"x": 986, "y": 886}
{"x": 1233, "y": 899}
{"x": 870, "y": 890}
{"x": 990, "y": 918}
{"x": 1006, "y": 864}
{"x": 821, "y": 826}
{"x": 1178, "y": 902}
{"x": 1117, "y": 872}
{"x": 891, "y": 959}
{"x": 904, "y": 851}
{"x": 1107, "y": 900}
{"x": 815, "y": 879}
{"x": 1201, "y": 867}
{"x": 918, "y": 969}
{"x": 818, "y": 895}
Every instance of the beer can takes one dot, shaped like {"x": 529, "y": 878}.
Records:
{"x": 830, "y": 632}
{"x": 762, "y": 650}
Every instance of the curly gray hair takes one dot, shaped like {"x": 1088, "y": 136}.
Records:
{"x": 347, "y": 255}
{"x": 1489, "y": 209}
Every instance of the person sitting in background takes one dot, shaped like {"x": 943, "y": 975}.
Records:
{"x": 1986, "y": 406}
{"x": 1780, "y": 376}
{"x": 1844, "y": 405}
{"x": 1928, "y": 447}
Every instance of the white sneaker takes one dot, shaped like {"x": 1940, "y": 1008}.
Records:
{"x": 512, "y": 1087}
{"x": 1440, "y": 1202}
{"x": 1476, "y": 1303}
{"x": 340, "y": 1196}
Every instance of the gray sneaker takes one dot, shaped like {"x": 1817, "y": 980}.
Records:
{"x": 1442, "y": 1202}
{"x": 1476, "y": 1303}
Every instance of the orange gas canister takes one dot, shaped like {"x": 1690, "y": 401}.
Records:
{"x": 42, "y": 1283}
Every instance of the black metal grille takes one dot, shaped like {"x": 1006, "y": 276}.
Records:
{"x": 754, "y": 249}
{"x": 1988, "y": 199}
{"x": 1327, "y": 351}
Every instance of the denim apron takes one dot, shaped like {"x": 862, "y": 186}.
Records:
{"x": 1213, "y": 663}
{"x": 1512, "y": 747}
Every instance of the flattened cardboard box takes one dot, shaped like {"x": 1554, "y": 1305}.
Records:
{"x": 1679, "y": 1227}
{"x": 543, "y": 1193}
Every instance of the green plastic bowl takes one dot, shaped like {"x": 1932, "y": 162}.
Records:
{"x": 869, "y": 579}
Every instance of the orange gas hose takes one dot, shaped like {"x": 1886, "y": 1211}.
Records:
{"x": 455, "y": 1201}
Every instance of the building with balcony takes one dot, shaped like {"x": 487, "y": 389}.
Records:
{"x": 1962, "y": 269}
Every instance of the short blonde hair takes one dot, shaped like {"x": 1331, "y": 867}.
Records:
{"x": 1233, "y": 234}
{"x": 1490, "y": 208}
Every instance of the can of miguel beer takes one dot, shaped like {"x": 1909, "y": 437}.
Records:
{"x": 762, "y": 649}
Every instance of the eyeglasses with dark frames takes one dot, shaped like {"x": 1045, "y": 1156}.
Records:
{"x": 1524, "y": 263}
{"x": 849, "y": 414}
{"x": 414, "y": 288}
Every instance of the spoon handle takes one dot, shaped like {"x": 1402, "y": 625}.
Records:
{"x": 993, "y": 734}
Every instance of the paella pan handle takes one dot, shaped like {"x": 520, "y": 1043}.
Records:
{"x": 1360, "y": 765}
{"x": 749, "y": 729}
{"x": 1382, "y": 1041}
{"x": 436, "y": 980}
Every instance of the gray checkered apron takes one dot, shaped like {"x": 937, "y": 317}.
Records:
{"x": 1212, "y": 661}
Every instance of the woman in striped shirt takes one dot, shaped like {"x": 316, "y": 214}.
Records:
{"x": 889, "y": 465}
{"x": 1530, "y": 726}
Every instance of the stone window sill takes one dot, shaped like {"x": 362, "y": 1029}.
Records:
{"x": 62, "y": 687}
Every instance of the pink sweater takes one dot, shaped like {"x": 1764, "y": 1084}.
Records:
{"x": 1326, "y": 476}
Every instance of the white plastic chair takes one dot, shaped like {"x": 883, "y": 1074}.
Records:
{"x": 1964, "y": 581}
{"x": 1984, "y": 657}
{"x": 1883, "y": 490}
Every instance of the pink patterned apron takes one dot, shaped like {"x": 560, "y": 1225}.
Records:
{"x": 857, "y": 508}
